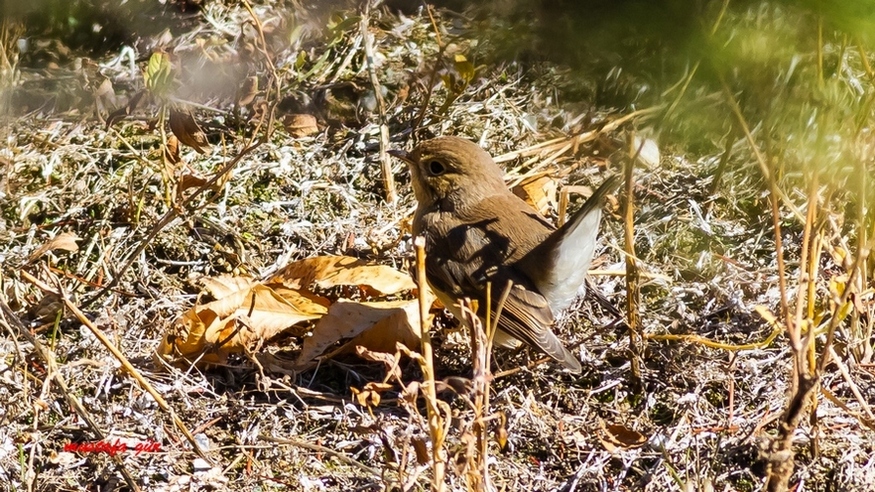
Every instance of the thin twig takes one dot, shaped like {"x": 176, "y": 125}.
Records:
{"x": 632, "y": 293}
{"x": 435, "y": 419}
{"x": 385, "y": 161}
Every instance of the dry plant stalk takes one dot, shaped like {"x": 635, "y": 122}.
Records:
{"x": 482, "y": 334}
{"x": 806, "y": 373}
{"x": 476, "y": 468}
{"x": 436, "y": 422}
{"x": 632, "y": 291}
{"x": 385, "y": 162}
{"x": 780, "y": 459}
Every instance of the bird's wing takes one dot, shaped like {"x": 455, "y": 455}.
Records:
{"x": 464, "y": 253}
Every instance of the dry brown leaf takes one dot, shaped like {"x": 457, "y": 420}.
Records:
{"x": 232, "y": 321}
{"x": 189, "y": 181}
{"x": 65, "y": 241}
{"x": 300, "y": 125}
{"x": 616, "y": 436}
{"x": 389, "y": 361}
{"x": 248, "y": 91}
{"x": 171, "y": 150}
{"x": 332, "y": 271}
{"x": 369, "y": 396}
{"x": 376, "y": 326}
{"x": 186, "y": 129}
{"x": 420, "y": 447}
{"x": 539, "y": 192}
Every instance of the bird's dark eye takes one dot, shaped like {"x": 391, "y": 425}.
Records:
{"x": 436, "y": 168}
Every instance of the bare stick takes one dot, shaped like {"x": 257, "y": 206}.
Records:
{"x": 385, "y": 162}
{"x": 435, "y": 419}
{"x": 632, "y": 292}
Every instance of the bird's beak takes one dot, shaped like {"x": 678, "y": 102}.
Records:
{"x": 401, "y": 154}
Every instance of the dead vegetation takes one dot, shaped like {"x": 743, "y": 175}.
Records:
{"x": 247, "y": 154}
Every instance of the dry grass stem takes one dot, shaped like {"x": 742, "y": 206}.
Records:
{"x": 385, "y": 159}
{"x": 436, "y": 421}
{"x": 632, "y": 280}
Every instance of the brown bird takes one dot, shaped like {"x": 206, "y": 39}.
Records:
{"x": 477, "y": 231}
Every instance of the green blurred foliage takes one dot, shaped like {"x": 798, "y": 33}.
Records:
{"x": 630, "y": 54}
{"x": 97, "y": 26}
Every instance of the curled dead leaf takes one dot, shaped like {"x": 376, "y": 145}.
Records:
{"x": 332, "y": 271}
{"x": 246, "y": 313}
{"x": 65, "y": 241}
{"x": 389, "y": 361}
{"x": 420, "y": 447}
{"x": 186, "y": 129}
{"x": 188, "y": 181}
{"x": 615, "y": 436}
{"x": 248, "y": 91}
{"x": 369, "y": 396}
{"x": 171, "y": 150}
{"x": 501, "y": 433}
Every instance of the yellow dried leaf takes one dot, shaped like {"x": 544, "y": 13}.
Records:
{"x": 376, "y": 326}
{"x": 331, "y": 271}
{"x": 243, "y": 314}
{"x": 501, "y": 434}
{"x": 539, "y": 192}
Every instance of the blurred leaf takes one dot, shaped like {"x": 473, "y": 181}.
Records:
{"x": 300, "y": 125}
{"x": 158, "y": 76}
{"x": 338, "y": 26}
{"x": 247, "y": 91}
{"x": 171, "y": 150}
{"x": 464, "y": 67}
{"x": 66, "y": 241}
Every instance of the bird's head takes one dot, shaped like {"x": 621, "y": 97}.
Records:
{"x": 452, "y": 168}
